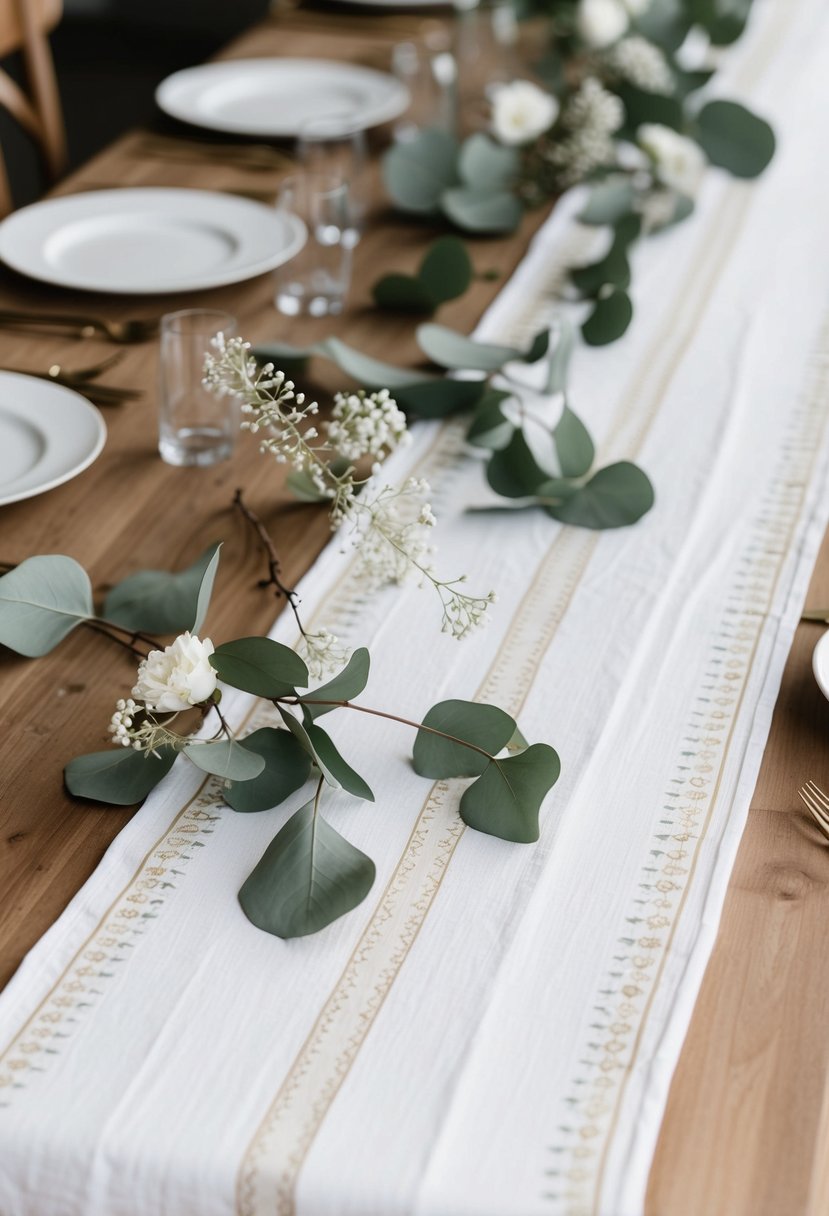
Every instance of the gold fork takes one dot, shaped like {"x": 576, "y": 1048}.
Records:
{"x": 80, "y": 379}
{"x": 817, "y": 804}
{"x": 83, "y": 326}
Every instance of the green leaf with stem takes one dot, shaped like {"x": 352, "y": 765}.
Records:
{"x": 417, "y": 172}
{"x": 155, "y": 601}
{"x": 446, "y": 270}
{"x": 450, "y": 349}
{"x": 490, "y": 427}
{"x": 308, "y": 877}
{"x": 261, "y": 666}
{"x": 574, "y": 445}
{"x": 513, "y": 471}
{"x": 486, "y": 212}
{"x": 609, "y": 200}
{"x": 320, "y": 747}
{"x": 486, "y": 166}
{"x": 506, "y": 799}
{"x": 609, "y": 319}
{"x": 441, "y": 746}
{"x": 286, "y": 769}
{"x": 226, "y": 758}
{"x": 558, "y": 364}
{"x": 41, "y": 601}
{"x": 616, "y": 496}
{"x": 120, "y": 775}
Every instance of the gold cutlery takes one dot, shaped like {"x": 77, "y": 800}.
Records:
{"x": 817, "y": 804}
{"x": 82, "y": 326}
{"x": 256, "y": 157}
{"x": 819, "y": 615}
{"x": 81, "y": 379}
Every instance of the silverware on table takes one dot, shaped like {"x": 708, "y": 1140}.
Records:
{"x": 81, "y": 379}
{"x": 817, "y": 804}
{"x": 259, "y": 158}
{"x": 82, "y": 326}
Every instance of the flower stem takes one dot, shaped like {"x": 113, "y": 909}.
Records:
{"x": 104, "y": 628}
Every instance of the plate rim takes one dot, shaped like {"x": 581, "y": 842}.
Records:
{"x": 374, "y": 117}
{"x": 92, "y": 455}
{"x": 241, "y": 273}
{"x": 821, "y": 677}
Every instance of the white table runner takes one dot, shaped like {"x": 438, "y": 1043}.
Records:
{"x": 493, "y": 1032}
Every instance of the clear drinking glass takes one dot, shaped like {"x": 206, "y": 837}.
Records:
{"x": 315, "y": 282}
{"x": 195, "y": 427}
{"x": 335, "y": 146}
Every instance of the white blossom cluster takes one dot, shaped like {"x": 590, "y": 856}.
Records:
{"x": 131, "y": 726}
{"x": 678, "y": 162}
{"x": 322, "y": 652}
{"x": 591, "y": 118}
{"x": 640, "y": 63}
{"x": 389, "y": 527}
{"x": 600, "y": 23}
{"x": 366, "y": 424}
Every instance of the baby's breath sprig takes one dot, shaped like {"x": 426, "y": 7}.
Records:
{"x": 387, "y": 525}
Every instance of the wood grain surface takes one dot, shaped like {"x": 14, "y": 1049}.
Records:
{"x": 747, "y": 1124}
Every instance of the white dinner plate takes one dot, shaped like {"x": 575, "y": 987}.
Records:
{"x": 820, "y": 664}
{"x": 48, "y": 434}
{"x": 273, "y": 97}
{"x": 148, "y": 241}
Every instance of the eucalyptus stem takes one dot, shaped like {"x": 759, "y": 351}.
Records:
{"x": 274, "y": 578}
{"x": 380, "y": 713}
{"x": 104, "y": 627}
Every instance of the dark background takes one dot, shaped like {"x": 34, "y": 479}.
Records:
{"x": 109, "y": 56}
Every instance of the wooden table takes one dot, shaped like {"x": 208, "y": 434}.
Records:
{"x": 747, "y": 1124}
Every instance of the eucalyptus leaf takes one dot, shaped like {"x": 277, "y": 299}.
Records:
{"x": 439, "y": 398}
{"x": 609, "y": 200}
{"x": 446, "y": 269}
{"x": 41, "y": 601}
{"x": 308, "y": 877}
{"x": 666, "y": 22}
{"x": 488, "y": 212}
{"x": 286, "y": 769}
{"x": 490, "y": 427}
{"x": 120, "y": 775}
{"x": 345, "y": 686}
{"x": 450, "y": 349}
{"x": 558, "y": 364}
{"x": 320, "y": 747}
{"x": 485, "y": 726}
{"x": 507, "y": 797}
{"x": 609, "y": 319}
{"x": 418, "y": 171}
{"x": 261, "y": 666}
{"x": 642, "y": 106}
{"x": 616, "y": 496}
{"x": 487, "y": 166}
{"x": 734, "y": 138}
{"x": 155, "y": 601}
{"x": 226, "y": 758}
{"x": 302, "y": 486}
{"x": 613, "y": 269}
{"x": 513, "y": 472}
{"x": 367, "y": 371}
{"x": 574, "y": 445}
{"x": 404, "y": 293}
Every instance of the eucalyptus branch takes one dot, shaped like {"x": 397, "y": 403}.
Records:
{"x": 128, "y": 643}
{"x": 274, "y": 578}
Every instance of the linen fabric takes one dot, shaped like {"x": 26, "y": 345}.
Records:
{"x": 493, "y": 1032}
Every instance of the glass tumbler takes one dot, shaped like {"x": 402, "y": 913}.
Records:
{"x": 315, "y": 282}
{"x": 335, "y": 146}
{"x": 195, "y": 427}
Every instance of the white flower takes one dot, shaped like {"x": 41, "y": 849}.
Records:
{"x": 366, "y": 424}
{"x": 521, "y": 111}
{"x": 177, "y": 677}
{"x": 679, "y": 162}
{"x": 643, "y": 64}
{"x": 602, "y": 22}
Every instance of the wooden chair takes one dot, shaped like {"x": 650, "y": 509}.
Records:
{"x": 24, "y": 27}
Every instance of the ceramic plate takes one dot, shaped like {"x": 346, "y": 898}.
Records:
{"x": 820, "y": 664}
{"x": 273, "y": 97}
{"x": 148, "y": 241}
{"x": 48, "y": 434}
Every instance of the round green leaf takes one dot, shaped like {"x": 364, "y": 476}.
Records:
{"x": 574, "y": 446}
{"x": 446, "y": 270}
{"x": 453, "y": 350}
{"x": 616, "y": 496}
{"x": 261, "y": 666}
{"x": 486, "y": 166}
{"x": 418, "y": 171}
{"x": 120, "y": 776}
{"x": 308, "y": 877}
{"x": 609, "y": 319}
{"x": 404, "y": 293}
{"x": 490, "y": 212}
{"x": 613, "y": 269}
{"x": 155, "y": 601}
{"x": 734, "y": 138}
{"x": 490, "y": 427}
{"x": 513, "y": 471}
{"x": 506, "y": 799}
{"x": 226, "y": 758}
{"x": 345, "y": 686}
{"x": 287, "y": 766}
{"x": 484, "y": 725}
{"x": 41, "y": 601}
{"x": 320, "y": 747}
{"x": 439, "y": 398}
{"x": 609, "y": 200}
